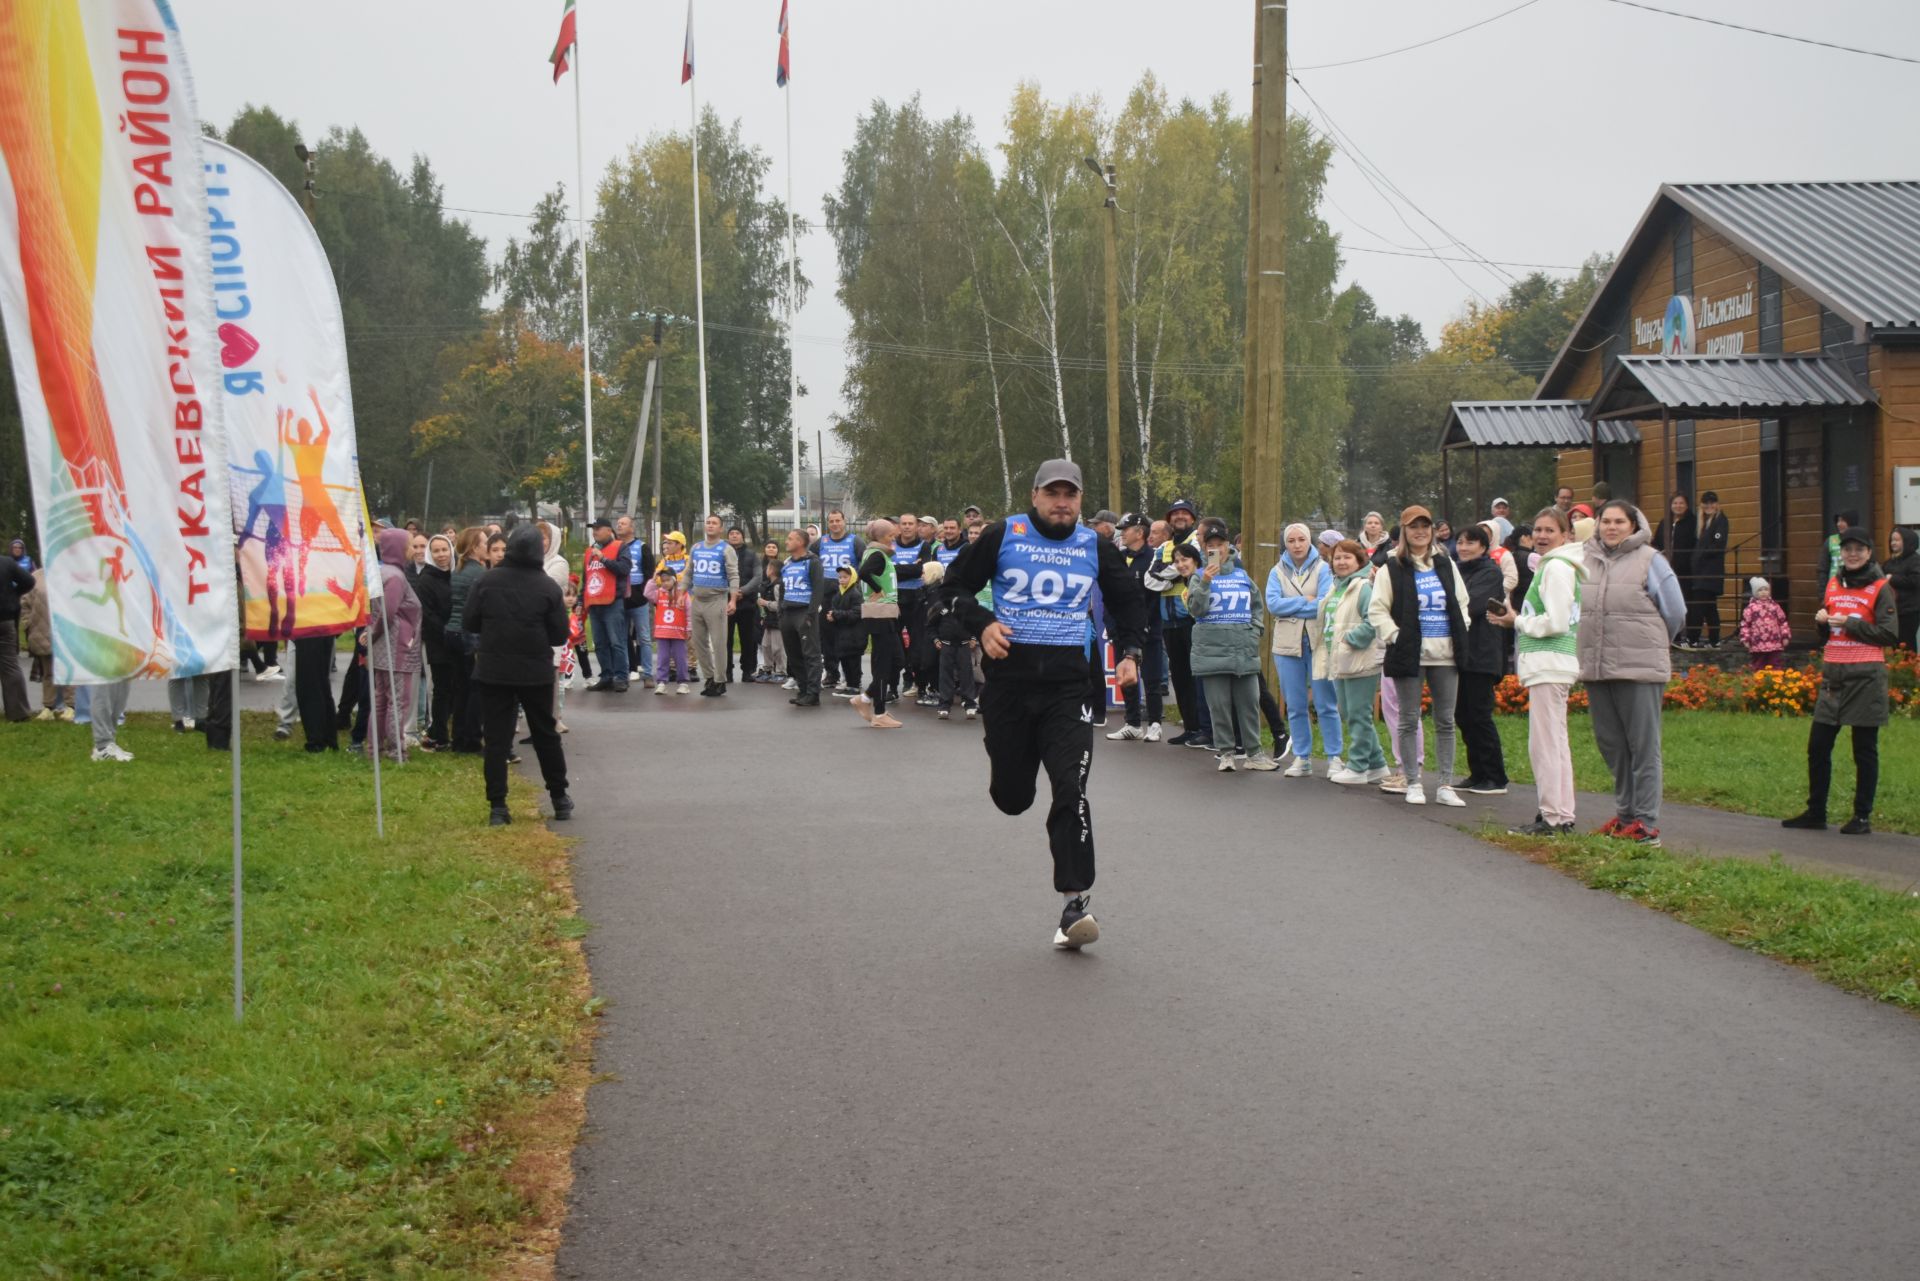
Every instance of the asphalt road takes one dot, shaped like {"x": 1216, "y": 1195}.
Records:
{"x": 1320, "y": 1036}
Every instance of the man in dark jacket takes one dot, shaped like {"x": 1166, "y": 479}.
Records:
{"x": 1481, "y": 664}
{"x": 15, "y": 581}
{"x": 743, "y": 625}
{"x": 519, "y": 616}
{"x": 1140, "y": 558}
{"x": 608, "y": 618}
{"x": 1043, "y": 566}
{"x": 1709, "y": 573}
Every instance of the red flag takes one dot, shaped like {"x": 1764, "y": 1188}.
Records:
{"x": 686, "y": 56}
{"x": 564, "y": 45}
{"x": 785, "y": 69}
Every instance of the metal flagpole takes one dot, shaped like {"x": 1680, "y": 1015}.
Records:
{"x": 793, "y": 294}
{"x": 233, "y": 741}
{"x": 586, "y": 351}
{"x": 699, "y": 285}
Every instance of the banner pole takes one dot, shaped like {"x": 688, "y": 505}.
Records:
{"x": 793, "y": 302}
{"x": 586, "y": 351}
{"x": 239, "y": 916}
{"x": 699, "y": 290}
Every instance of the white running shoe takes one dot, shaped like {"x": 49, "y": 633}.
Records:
{"x": 660, "y": 689}
{"x": 1127, "y": 734}
{"x": 112, "y": 752}
{"x": 1447, "y": 796}
{"x": 1077, "y": 926}
{"x": 633, "y": 676}
{"x": 270, "y": 674}
{"x": 683, "y": 689}
{"x": 1377, "y": 775}
{"x": 1334, "y": 763}
{"x": 1226, "y": 765}
{"x": 1348, "y": 777}
{"x": 1262, "y": 763}
{"x": 789, "y": 683}
{"x": 1416, "y": 794}
{"x": 1153, "y": 732}
{"x": 1301, "y": 768}
{"x": 972, "y": 711}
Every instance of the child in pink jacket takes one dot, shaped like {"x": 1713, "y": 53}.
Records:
{"x": 1763, "y": 626}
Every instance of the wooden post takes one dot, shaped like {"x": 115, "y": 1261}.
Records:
{"x": 1269, "y": 447}
{"x": 1446, "y": 483}
{"x": 1479, "y": 504}
{"x": 1250, "y": 399}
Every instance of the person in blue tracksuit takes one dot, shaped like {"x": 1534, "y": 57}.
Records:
{"x": 1296, "y": 585}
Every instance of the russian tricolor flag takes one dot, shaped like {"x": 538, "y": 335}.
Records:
{"x": 785, "y": 69}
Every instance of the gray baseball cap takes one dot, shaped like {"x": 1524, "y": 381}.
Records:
{"x": 1103, "y": 516}
{"x": 1057, "y": 469}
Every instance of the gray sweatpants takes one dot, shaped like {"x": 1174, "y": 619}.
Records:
{"x": 105, "y": 707}
{"x": 709, "y": 639}
{"x": 1443, "y": 682}
{"x": 187, "y": 698}
{"x": 289, "y": 706}
{"x": 1626, "y": 725}
{"x": 1234, "y": 700}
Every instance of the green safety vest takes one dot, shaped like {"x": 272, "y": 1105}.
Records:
{"x": 889, "y": 582}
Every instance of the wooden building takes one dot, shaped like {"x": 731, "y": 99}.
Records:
{"x": 1761, "y": 340}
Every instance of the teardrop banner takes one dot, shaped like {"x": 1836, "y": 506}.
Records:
{"x": 106, "y": 293}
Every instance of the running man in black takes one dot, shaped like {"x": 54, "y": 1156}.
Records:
{"x": 1043, "y": 567}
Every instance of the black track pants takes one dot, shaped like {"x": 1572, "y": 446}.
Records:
{"x": 1033, "y": 724}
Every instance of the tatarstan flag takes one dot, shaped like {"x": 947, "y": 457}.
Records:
{"x": 564, "y": 45}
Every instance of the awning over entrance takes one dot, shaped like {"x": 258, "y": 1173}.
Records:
{"x": 1750, "y": 386}
{"x": 1528, "y": 424}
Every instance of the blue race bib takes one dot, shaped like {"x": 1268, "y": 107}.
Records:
{"x": 907, "y": 556}
{"x": 1433, "y": 605}
{"x": 947, "y": 555}
{"x": 1229, "y": 600}
{"x": 709, "y": 565}
{"x": 796, "y": 582}
{"x": 1041, "y": 587}
{"x": 835, "y": 552}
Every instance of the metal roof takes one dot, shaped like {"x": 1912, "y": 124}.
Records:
{"x": 1723, "y": 386}
{"x": 1528, "y": 424}
{"x": 1853, "y": 245}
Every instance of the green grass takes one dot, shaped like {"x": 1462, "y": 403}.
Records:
{"x": 1744, "y": 762}
{"x": 411, "y": 1005}
{"x": 1859, "y": 937}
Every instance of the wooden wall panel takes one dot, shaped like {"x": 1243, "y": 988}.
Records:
{"x": 1806, "y": 533}
{"x": 1799, "y": 320}
{"x": 1722, "y": 273}
{"x": 1895, "y": 375}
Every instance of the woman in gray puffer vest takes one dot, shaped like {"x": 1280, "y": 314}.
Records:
{"x": 1631, "y": 610}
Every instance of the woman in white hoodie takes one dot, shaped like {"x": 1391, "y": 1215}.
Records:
{"x": 1547, "y": 631}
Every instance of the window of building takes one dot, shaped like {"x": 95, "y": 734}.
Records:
{"x": 1836, "y": 340}
{"x": 1683, "y": 254}
{"x": 1772, "y": 321}
{"x": 1683, "y": 432}
{"x": 1773, "y": 501}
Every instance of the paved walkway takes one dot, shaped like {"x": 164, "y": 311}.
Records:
{"x": 1323, "y": 1036}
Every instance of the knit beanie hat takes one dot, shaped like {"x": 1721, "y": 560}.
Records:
{"x": 1758, "y": 586}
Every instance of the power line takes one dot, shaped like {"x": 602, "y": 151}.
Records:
{"x": 1408, "y": 48}
{"x": 1761, "y": 31}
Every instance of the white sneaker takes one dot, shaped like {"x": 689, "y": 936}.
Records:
{"x": 1348, "y": 777}
{"x": 1334, "y": 763}
{"x": 1301, "y": 768}
{"x": 112, "y": 752}
{"x": 1127, "y": 734}
{"x": 1153, "y": 732}
{"x": 1263, "y": 763}
{"x": 633, "y": 676}
{"x": 660, "y": 689}
{"x": 188, "y": 723}
{"x": 46, "y": 714}
{"x": 683, "y": 688}
{"x": 789, "y": 683}
{"x": 1447, "y": 796}
{"x": 270, "y": 674}
{"x": 1226, "y": 765}
{"x": 1416, "y": 794}
{"x": 1377, "y": 775}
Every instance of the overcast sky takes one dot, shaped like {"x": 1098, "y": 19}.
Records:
{"x": 1536, "y": 139}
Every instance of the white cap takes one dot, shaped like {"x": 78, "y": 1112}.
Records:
{"x": 1501, "y": 502}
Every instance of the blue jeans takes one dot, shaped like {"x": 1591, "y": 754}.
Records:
{"x": 640, "y": 624}
{"x": 610, "y": 640}
{"x": 1296, "y": 676}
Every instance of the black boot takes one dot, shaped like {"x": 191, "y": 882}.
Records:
{"x": 1806, "y": 820}
{"x": 499, "y": 817}
{"x": 562, "y": 807}
{"x": 1858, "y": 825}
{"x": 807, "y": 700}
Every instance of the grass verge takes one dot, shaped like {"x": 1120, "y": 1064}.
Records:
{"x": 1745, "y": 762}
{"x": 1856, "y": 936}
{"x": 407, "y": 1083}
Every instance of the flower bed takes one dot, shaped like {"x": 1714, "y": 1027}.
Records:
{"x": 1773, "y": 691}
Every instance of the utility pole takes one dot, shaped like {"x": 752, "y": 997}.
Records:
{"x": 1265, "y": 452}
{"x": 1250, "y": 398}
{"x": 1115, "y": 497}
{"x": 659, "y": 407}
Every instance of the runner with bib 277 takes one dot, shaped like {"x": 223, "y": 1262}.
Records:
{"x": 1043, "y": 567}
